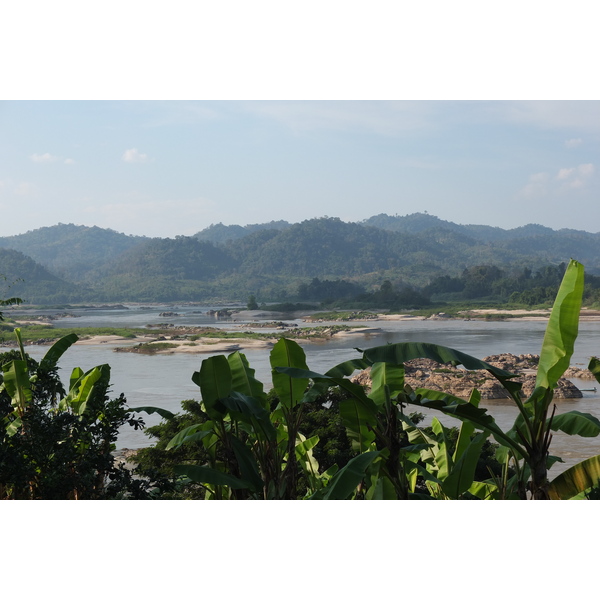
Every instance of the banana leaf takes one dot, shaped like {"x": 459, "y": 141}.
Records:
{"x": 165, "y": 414}
{"x": 575, "y": 480}
{"x": 344, "y": 483}
{"x": 193, "y": 433}
{"x": 466, "y": 429}
{"x": 289, "y": 388}
{"x": 53, "y": 355}
{"x": 214, "y": 380}
{"x": 202, "y": 474}
{"x": 576, "y": 423}
{"x": 242, "y": 377}
{"x": 562, "y": 328}
{"x": 247, "y": 464}
{"x": 17, "y": 384}
{"x": 462, "y": 475}
{"x": 386, "y": 381}
{"x": 594, "y": 367}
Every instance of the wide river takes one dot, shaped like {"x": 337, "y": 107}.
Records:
{"x": 165, "y": 380}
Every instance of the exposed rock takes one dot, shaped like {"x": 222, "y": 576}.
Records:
{"x": 426, "y": 373}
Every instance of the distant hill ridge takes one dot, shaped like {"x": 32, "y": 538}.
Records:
{"x": 272, "y": 259}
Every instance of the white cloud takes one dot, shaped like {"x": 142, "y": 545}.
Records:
{"x": 576, "y": 177}
{"x": 134, "y": 156}
{"x": 566, "y": 179}
{"x": 69, "y": 161}
{"x": 536, "y": 186}
{"x": 565, "y": 173}
{"x": 44, "y": 158}
{"x": 573, "y": 143}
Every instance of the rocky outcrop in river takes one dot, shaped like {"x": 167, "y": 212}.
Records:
{"x": 426, "y": 373}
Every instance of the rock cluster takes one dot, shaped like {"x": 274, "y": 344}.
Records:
{"x": 426, "y": 373}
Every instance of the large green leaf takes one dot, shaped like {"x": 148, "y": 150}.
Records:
{"x": 576, "y": 423}
{"x": 359, "y": 415}
{"x": 594, "y": 367}
{"x": 165, "y": 414}
{"x": 466, "y": 429}
{"x": 460, "y": 409}
{"x": 20, "y": 343}
{"x": 442, "y": 457}
{"x": 289, "y": 389}
{"x": 76, "y": 374}
{"x": 247, "y": 464}
{"x": 562, "y": 328}
{"x": 193, "y": 433}
{"x": 484, "y": 490}
{"x": 387, "y": 380}
{"x": 81, "y": 392}
{"x": 242, "y": 377}
{"x": 17, "y": 384}
{"x": 344, "y": 483}
{"x": 249, "y": 410}
{"x": 214, "y": 380}
{"x": 348, "y": 367}
{"x": 53, "y": 355}
{"x": 201, "y": 474}
{"x": 463, "y": 472}
{"x": 575, "y": 480}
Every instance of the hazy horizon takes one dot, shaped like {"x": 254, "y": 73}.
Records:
{"x": 294, "y": 222}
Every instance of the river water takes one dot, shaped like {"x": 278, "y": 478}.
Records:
{"x": 165, "y": 380}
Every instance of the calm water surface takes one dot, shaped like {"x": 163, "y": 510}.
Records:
{"x": 165, "y": 380}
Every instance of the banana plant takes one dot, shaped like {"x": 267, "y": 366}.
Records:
{"x": 253, "y": 449}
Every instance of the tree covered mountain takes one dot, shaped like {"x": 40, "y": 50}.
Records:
{"x": 71, "y": 251}
{"x": 220, "y": 234}
{"x": 22, "y": 277}
{"x": 273, "y": 260}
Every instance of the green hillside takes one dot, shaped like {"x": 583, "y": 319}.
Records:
{"x": 22, "y": 277}
{"x": 271, "y": 261}
{"x": 71, "y": 251}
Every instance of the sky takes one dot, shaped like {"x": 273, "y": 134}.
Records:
{"x": 167, "y": 168}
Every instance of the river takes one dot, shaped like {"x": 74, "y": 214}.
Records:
{"x": 165, "y": 380}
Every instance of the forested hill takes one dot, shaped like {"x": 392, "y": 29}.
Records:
{"x": 273, "y": 260}
{"x": 220, "y": 234}
{"x": 22, "y": 277}
{"x": 71, "y": 251}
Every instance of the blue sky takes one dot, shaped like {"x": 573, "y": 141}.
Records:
{"x": 166, "y": 168}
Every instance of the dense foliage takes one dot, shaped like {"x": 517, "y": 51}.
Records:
{"x": 57, "y": 444}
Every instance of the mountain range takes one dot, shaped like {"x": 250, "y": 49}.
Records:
{"x": 73, "y": 263}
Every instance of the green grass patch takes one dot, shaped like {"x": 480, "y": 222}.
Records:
{"x": 148, "y": 348}
{"x": 32, "y": 333}
{"x": 347, "y": 315}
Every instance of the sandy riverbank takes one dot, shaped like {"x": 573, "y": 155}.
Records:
{"x": 204, "y": 345}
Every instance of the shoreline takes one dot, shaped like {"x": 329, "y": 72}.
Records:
{"x": 181, "y": 345}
